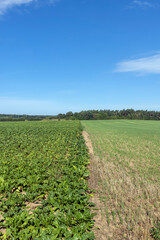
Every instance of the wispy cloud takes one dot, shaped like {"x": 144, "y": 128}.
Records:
{"x": 142, "y": 4}
{"x": 6, "y": 4}
{"x": 147, "y": 65}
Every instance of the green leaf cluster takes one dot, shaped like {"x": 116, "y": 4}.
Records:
{"x": 155, "y": 231}
{"x": 43, "y": 186}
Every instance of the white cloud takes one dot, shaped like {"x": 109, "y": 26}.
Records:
{"x": 142, "y": 3}
{"x": 6, "y": 4}
{"x": 147, "y": 65}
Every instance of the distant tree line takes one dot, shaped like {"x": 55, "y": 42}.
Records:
{"x": 14, "y": 117}
{"x": 111, "y": 114}
{"x": 88, "y": 115}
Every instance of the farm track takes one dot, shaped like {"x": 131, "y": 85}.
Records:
{"x": 100, "y": 227}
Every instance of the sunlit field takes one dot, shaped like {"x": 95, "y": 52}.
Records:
{"x": 127, "y": 163}
{"x": 43, "y": 185}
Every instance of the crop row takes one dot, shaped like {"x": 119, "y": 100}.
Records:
{"x": 43, "y": 186}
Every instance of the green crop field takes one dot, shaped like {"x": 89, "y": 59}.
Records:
{"x": 43, "y": 186}
{"x": 43, "y": 179}
{"x": 127, "y": 165}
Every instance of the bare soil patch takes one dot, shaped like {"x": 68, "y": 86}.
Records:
{"x": 2, "y": 229}
{"x": 32, "y": 206}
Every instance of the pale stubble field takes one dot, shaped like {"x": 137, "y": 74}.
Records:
{"x": 127, "y": 166}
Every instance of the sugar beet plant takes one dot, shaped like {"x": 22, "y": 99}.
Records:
{"x": 43, "y": 186}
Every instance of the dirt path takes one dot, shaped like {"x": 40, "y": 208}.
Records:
{"x": 101, "y": 228}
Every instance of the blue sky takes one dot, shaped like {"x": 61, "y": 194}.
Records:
{"x": 73, "y": 55}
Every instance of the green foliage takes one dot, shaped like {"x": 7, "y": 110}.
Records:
{"x": 155, "y": 231}
{"x": 89, "y": 115}
{"x": 14, "y": 117}
{"x": 111, "y": 114}
{"x": 44, "y": 163}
